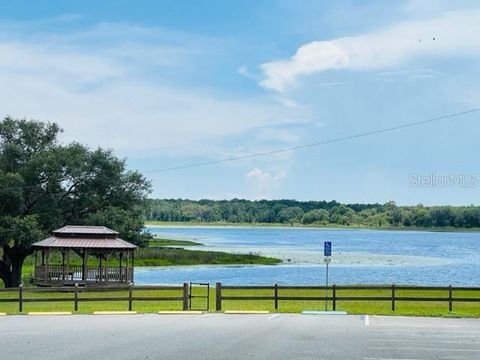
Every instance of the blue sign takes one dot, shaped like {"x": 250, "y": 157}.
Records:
{"x": 327, "y": 248}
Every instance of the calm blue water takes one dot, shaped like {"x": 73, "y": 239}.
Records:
{"x": 359, "y": 257}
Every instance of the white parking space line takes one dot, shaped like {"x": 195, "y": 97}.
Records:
{"x": 428, "y": 326}
{"x": 433, "y": 337}
{"x": 384, "y": 358}
{"x": 403, "y": 331}
{"x": 424, "y": 341}
{"x": 423, "y": 349}
{"x": 367, "y": 320}
{"x": 274, "y": 316}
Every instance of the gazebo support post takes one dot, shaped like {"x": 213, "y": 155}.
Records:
{"x": 84, "y": 264}
{"x": 68, "y": 264}
{"x": 127, "y": 266}
{"x": 47, "y": 271}
{"x": 100, "y": 277}
{"x": 43, "y": 273}
{"x": 63, "y": 264}
{"x": 120, "y": 255}
{"x": 107, "y": 256}
{"x": 132, "y": 266}
{"x": 36, "y": 264}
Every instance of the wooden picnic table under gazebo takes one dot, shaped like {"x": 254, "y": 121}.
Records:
{"x": 63, "y": 258}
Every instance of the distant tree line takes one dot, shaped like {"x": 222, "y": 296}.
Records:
{"x": 313, "y": 213}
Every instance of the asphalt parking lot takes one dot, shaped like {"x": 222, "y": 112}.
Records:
{"x": 221, "y": 336}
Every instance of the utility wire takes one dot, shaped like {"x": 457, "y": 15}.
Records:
{"x": 319, "y": 143}
{"x": 292, "y": 148}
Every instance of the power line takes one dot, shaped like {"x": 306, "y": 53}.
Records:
{"x": 292, "y": 148}
{"x": 319, "y": 143}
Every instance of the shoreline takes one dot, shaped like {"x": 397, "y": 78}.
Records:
{"x": 166, "y": 224}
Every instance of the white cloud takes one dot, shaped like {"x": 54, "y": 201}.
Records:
{"x": 114, "y": 94}
{"x": 136, "y": 117}
{"x": 471, "y": 98}
{"x": 264, "y": 183}
{"x": 329, "y": 84}
{"x": 429, "y": 7}
{"x": 286, "y": 135}
{"x": 410, "y": 72}
{"x": 47, "y": 62}
{"x": 409, "y": 75}
{"x": 243, "y": 70}
{"x": 286, "y": 101}
{"x": 451, "y": 34}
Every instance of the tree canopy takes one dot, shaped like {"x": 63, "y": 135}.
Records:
{"x": 45, "y": 185}
{"x": 313, "y": 212}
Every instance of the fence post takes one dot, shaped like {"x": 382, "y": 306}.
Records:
{"x": 276, "y": 296}
{"x": 20, "y": 297}
{"x": 334, "y": 297}
{"x": 75, "y": 297}
{"x": 450, "y": 298}
{"x": 130, "y": 297}
{"x": 218, "y": 296}
{"x": 393, "y": 297}
{"x": 185, "y": 296}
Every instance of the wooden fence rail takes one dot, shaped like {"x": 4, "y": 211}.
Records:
{"x": 73, "y": 294}
{"x": 333, "y": 297}
{"x": 22, "y": 295}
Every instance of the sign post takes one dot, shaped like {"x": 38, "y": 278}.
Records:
{"x": 327, "y": 253}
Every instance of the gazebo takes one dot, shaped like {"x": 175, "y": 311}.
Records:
{"x": 65, "y": 258}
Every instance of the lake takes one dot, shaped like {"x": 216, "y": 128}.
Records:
{"x": 358, "y": 257}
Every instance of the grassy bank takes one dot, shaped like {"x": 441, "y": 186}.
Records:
{"x": 168, "y": 252}
{"x": 157, "y": 242}
{"x": 309, "y": 226}
{"x": 176, "y": 256}
{"x": 410, "y": 308}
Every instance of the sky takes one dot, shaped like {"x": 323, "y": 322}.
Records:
{"x": 172, "y": 83}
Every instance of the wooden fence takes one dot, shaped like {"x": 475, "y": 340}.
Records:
{"x": 23, "y": 295}
{"x": 333, "y": 297}
{"x": 333, "y": 294}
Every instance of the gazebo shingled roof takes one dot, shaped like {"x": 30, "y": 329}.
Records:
{"x": 84, "y": 243}
{"x": 84, "y": 237}
{"x": 85, "y": 229}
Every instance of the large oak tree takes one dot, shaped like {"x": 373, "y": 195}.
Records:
{"x": 45, "y": 185}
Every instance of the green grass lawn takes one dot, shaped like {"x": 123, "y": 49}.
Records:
{"x": 410, "y": 308}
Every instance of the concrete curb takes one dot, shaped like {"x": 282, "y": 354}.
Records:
{"x": 114, "y": 313}
{"x": 191, "y": 312}
{"x": 49, "y": 313}
{"x": 3, "y": 314}
{"x": 246, "y": 312}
